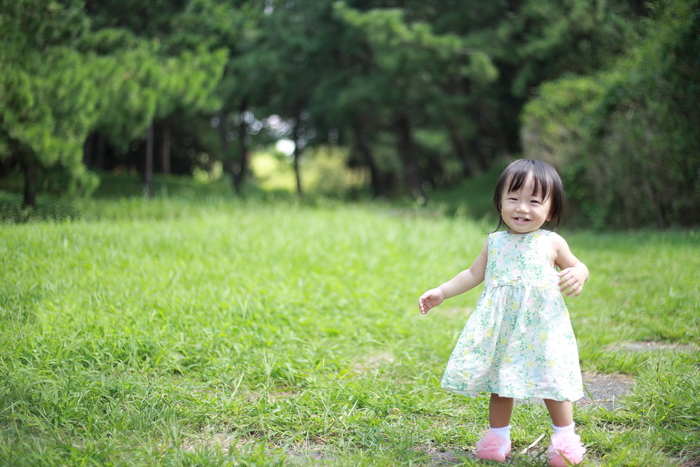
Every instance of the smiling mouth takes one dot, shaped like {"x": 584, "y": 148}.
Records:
{"x": 521, "y": 219}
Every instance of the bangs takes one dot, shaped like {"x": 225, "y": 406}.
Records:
{"x": 540, "y": 182}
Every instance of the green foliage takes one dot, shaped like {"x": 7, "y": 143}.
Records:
{"x": 61, "y": 81}
{"x": 461, "y": 72}
{"x": 545, "y": 39}
{"x": 626, "y": 139}
{"x": 408, "y": 49}
{"x": 422, "y": 95}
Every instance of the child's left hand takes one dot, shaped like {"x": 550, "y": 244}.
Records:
{"x": 573, "y": 279}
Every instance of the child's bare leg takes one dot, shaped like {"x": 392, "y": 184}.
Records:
{"x": 566, "y": 447}
{"x": 495, "y": 445}
{"x": 561, "y": 412}
{"x": 500, "y": 410}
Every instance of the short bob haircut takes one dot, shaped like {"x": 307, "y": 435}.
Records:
{"x": 546, "y": 180}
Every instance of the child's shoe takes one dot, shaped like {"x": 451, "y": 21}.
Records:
{"x": 565, "y": 450}
{"x": 493, "y": 447}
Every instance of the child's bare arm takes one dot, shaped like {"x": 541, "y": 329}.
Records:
{"x": 574, "y": 273}
{"x": 462, "y": 282}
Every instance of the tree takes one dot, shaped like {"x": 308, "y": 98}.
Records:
{"x": 234, "y": 25}
{"x": 425, "y": 76}
{"x": 47, "y": 100}
{"x": 61, "y": 80}
{"x": 178, "y": 70}
{"x": 299, "y": 42}
{"x": 425, "y": 92}
{"x": 413, "y": 73}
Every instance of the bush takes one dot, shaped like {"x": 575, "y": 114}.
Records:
{"x": 626, "y": 140}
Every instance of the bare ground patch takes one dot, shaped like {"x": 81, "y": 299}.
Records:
{"x": 600, "y": 390}
{"x": 604, "y": 390}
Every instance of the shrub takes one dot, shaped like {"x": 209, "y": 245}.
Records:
{"x": 625, "y": 140}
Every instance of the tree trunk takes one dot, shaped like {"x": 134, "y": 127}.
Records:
{"x": 226, "y": 157}
{"x": 413, "y": 178}
{"x": 148, "y": 175}
{"x": 362, "y": 145}
{"x": 29, "y": 184}
{"x": 484, "y": 159}
{"x": 236, "y": 169}
{"x": 240, "y": 169}
{"x": 297, "y": 152}
{"x": 165, "y": 150}
{"x": 435, "y": 173}
{"x": 297, "y": 172}
{"x": 469, "y": 166}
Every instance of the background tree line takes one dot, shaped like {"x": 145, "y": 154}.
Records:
{"x": 423, "y": 93}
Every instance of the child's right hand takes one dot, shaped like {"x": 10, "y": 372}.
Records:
{"x": 430, "y": 299}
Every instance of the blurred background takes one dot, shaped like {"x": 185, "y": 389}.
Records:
{"x": 413, "y": 101}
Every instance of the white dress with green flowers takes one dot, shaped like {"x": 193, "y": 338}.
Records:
{"x": 518, "y": 342}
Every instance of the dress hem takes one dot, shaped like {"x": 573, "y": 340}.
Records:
{"x": 476, "y": 393}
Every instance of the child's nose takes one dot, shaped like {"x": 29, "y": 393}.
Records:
{"x": 522, "y": 207}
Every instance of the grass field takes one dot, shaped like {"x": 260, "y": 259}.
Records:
{"x": 224, "y": 332}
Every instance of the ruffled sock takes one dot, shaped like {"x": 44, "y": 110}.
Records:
{"x": 560, "y": 430}
{"x": 502, "y": 432}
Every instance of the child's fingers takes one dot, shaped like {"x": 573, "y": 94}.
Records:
{"x": 429, "y": 300}
{"x": 426, "y": 302}
{"x": 567, "y": 282}
{"x": 564, "y": 272}
{"x": 574, "y": 288}
{"x": 570, "y": 281}
{"x": 422, "y": 305}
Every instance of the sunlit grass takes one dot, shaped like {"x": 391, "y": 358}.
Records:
{"x": 220, "y": 331}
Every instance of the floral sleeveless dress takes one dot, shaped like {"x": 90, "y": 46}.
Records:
{"x": 518, "y": 342}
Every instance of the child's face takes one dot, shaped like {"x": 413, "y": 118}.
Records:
{"x": 524, "y": 211}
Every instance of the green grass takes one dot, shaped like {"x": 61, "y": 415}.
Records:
{"x": 215, "y": 331}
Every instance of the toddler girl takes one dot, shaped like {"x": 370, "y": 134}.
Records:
{"x": 518, "y": 342}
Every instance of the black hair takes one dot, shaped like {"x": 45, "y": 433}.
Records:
{"x": 546, "y": 183}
